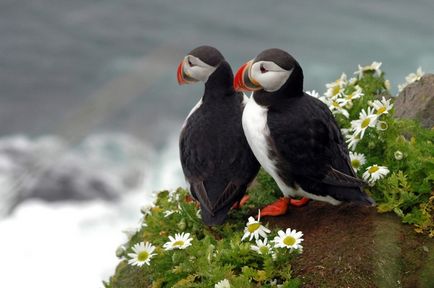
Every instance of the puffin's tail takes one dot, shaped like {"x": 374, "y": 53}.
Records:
{"x": 351, "y": 194}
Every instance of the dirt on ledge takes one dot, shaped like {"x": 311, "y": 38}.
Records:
{"x": 354, "y": 246}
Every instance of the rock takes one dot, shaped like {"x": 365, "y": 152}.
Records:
{"x": 416, "y": 101}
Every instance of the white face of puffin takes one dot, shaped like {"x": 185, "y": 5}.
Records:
{"x": 197, "y": 69}
{"x": 269, "y": 75}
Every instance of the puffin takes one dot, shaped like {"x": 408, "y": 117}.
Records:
{"x": 294, "y": 136}
{"x": 215, "y": 157}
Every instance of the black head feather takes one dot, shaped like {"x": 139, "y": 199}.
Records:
{"x": 208, "y": 54}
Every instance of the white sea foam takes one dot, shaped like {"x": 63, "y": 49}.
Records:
{"x": 69, "y": 243}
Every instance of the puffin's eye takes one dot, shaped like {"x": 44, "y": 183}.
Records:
{"x": 189, "y": 62}
{"x": 263, "y": 70}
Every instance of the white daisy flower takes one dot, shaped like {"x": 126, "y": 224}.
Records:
{"x": 223, "y": 284}
{"x": 313, "y": 93}
{"x": 413, "y": 77}
{"x": 382, "y": 107}
{"x": 357, "y": 160}
{"x": 382, "y": 125}
{"x": 173, "y": 196}
{"x": 348, "y": 98}
{"x": 398, "y": 155}
{"x": 334, "y": 92}
{"x": 342, "y": 81}
{"x": 401, "y": 87}
{"x": 262, "y": 247}
{"x": 146, "y": 209}
{"x": 352, "y": 140}
{"x": 142, "y": 254}
{"x": 366, "y": 119}
{"x": 375, "y": 66}
{"x": 410, "y": 78}
{"x": 352, "y": 81}
{"x": 337, "y": 108}
{"x": 290, "y": 239}
{"x": 374, "y": 173}
{"x": 167, "y": 213}
{"x": 180, "y": 241}
{"x": 254, "y": 229}
{"x": 336, "y": 88}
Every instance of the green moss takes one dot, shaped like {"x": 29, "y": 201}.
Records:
{"x": 215, "y": 254}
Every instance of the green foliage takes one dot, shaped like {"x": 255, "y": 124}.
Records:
{"x": 215, "y": 254}
{"x": 404, "y": 147}
{"x": 263, "y": 193}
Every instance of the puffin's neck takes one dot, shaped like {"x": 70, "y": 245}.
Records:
{"x": 220, "y": 83}
{"x": 293, "y": 88}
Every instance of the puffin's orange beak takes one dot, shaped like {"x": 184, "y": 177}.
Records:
{"x": 243, "y": 81}
{"x": 180, "y": 74}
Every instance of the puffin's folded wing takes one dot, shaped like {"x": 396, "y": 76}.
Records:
{"x": 201, "y": 194}
{"x": 230, "y": 194}
{"x": 337, "y": 178}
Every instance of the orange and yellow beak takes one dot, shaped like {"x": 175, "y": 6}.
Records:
{"x": 183, "y": 78}
{"x": 243, "y": 81}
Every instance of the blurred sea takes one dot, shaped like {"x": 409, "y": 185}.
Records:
{"x": 90, "y": 109}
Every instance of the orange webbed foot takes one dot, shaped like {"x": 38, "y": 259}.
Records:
{"x": 299, "y": 202}
{"x": 279, "y": 207}
{"x": 243, "y": 201}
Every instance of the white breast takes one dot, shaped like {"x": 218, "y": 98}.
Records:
{"x": 191, "y": 112}
{"x": 256, "y": 131}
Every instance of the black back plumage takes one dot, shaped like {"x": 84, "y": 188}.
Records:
{"x": 306, "y": 140}
{"x": 215, "y": 156}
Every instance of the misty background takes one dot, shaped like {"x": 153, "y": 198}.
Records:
{"x": 90, "y": 109}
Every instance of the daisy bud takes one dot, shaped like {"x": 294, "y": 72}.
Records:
{"x": 382, "y": 125}
{"x": 120, "y": 251}
{"x": 182, "y": 225}
{"x": 398, "y": 155}
{"x": 387, "y": 85}
{"x": 146, "y": 209}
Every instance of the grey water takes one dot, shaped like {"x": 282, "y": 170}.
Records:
{"x": 71, "y": 68}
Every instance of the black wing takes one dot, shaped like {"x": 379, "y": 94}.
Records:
{"x": 308, "y": 139}
{"x": 215, "y": 156}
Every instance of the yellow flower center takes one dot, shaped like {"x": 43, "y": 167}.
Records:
{"x": 336, "y": 104}
{"x": 263, "y": 250}
{"x": 373, "y": 169}
{"x": 383, "y": 125}
{"x": 143, "y": 256}
{"x": 253, "y": 227}
{"x": 178, "y": 243}
{"x": 355, "y": 163}
{"x": 289, "y": 240}
{"x": 336, "y": 90}
{"x": 365, "y": 123}
{"x": 381, "y": 110}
